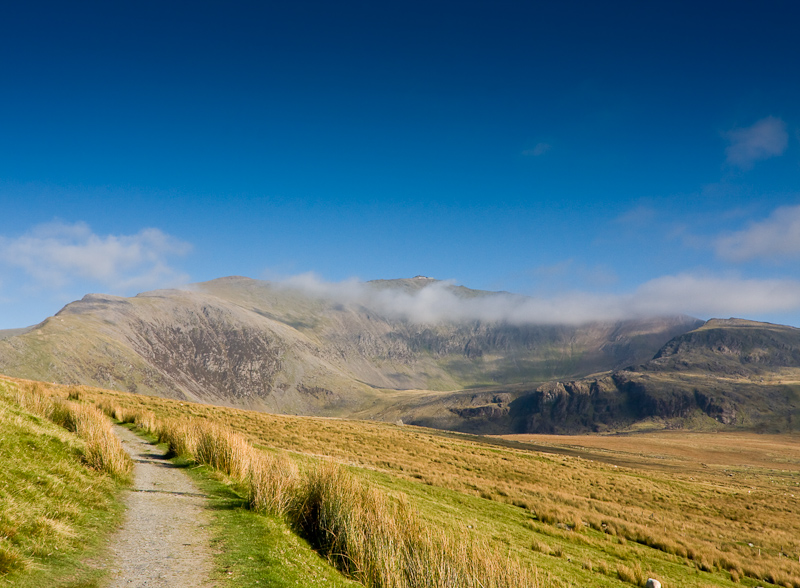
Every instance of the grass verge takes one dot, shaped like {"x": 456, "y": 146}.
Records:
{"x": 369, "y": 535}
{"x": 258, "y": 549}
{"x": 580, "y": 522}
{"x": 54, "y": 510}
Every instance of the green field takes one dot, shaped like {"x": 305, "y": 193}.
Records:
{"x": 691, "y": 510}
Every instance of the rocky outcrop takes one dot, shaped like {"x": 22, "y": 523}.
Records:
{"x": 731, "y": 372}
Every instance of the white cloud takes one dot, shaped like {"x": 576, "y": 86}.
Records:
{"x": 764, "y": 139}
{"x": 697, "y": 295}
{"x": 715, "y": 296}
{"x": 771, "y": 239}
{"x": 57, "y": 254}
{"x": 539, "y": 149}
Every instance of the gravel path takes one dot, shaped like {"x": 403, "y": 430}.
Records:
{"x": 164, "y": 541}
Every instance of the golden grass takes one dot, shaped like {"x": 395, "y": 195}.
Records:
{"x": 374, "y": 539}
{"x": 679, "y": 449}
{"x": 272, "y": 481}
{"x": 51, "y": 504}
{"x": 632, "y": 574}
{"x": 671, "y": 507}
{"x": 103, "y": 450}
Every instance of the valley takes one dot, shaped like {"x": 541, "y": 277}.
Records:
{"x": 475, "y": 428}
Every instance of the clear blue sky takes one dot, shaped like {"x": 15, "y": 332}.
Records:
{"x": 643, "y": 153}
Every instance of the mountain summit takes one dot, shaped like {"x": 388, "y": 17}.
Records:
{"x": 309, "y": 349}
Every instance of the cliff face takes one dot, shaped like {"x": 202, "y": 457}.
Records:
{"x": 248, "y": 343}
{"x": 726, "y": 373}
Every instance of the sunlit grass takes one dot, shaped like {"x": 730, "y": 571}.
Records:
{"x": 370, "y": 536}
{"x": 53, "y": 508}
{"x": 578, "y": 521}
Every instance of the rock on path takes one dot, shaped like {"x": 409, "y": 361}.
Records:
{"x": 164, "y": 541}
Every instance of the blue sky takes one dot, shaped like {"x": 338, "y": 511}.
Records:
{"x": 625, "y": 155}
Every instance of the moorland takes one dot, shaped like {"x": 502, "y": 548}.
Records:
{"x": 708, "y": 509}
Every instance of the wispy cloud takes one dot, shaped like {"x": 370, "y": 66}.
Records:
{"x": 569, "y": 272}
{"x": 698, "y": 295}
{"x": 775, "y": 238}
{"x": 539, "y": 149}
{"x": 764, "y": 139}
{"x": 58, "y": 254}
{"x": 638, "y": 216}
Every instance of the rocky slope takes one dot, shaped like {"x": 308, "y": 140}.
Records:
{"x": 249, "y": 343}
{"x": 731, "y": 372}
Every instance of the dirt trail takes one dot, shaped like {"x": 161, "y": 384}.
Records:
{"x": 164, "y": 542}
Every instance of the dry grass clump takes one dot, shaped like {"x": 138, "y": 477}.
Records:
{"x": 180, "y": 435}
{"x": 10, "y": 557}
{"x": 442, "y": 560}
{"x": 33, "y": 398}
{"x": 382, "y": 543}
{"x": 120, "y": 413}
{"x": 272, "y": 483}
{"x": 760, "y": 571}
{"x": 103, "y": 450}
{"x": 541, "y": 547}
{"x": 224, "y": 450}
{"x": 632, "y": 574}
{"x": 372, "y": 538}
{"x": 145, "y": 420}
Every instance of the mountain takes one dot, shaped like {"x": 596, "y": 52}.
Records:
{"x": 732, "y": 373}
{"x": 249, "y": 343}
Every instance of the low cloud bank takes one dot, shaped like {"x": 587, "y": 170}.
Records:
{"x": 694, "y": 295}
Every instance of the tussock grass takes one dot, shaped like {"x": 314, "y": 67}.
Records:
{"x": 632, "y": 574}
{"x": 103, "y": 450}
{"x": 371, "y": 537}
{"x": 51, "y": 505}
{"x": 690, "y": 523}
{"x": 224, "y": 450}
{"x": 145, "y": 420}
{"x": 272, "y": 483}
{"x": 383, "y": 543}
{"x": 180, "y": 435}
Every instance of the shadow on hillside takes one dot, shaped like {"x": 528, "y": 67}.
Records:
{"x": 161, "y": 461}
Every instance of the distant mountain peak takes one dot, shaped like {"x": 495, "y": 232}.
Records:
{"x": 719, "y": 323}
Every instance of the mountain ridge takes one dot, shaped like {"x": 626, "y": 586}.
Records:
{"x": 300, "y": 349}
{"x": 242, "y": 342}
{"x": 728, "y": 372}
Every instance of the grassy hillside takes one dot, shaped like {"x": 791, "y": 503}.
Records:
{"x": 54, "y": 507}
{"x": 580, "y": 517}
{"x": 59, "y": 505}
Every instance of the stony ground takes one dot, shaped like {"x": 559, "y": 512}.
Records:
{"x": 164, "y": 541}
